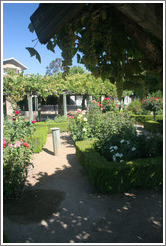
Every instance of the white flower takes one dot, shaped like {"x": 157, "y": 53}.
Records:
{"x": 80, "y": 115}
{"x": 121, "y": 161}
{"x": 114, "y": 158}
{"x": 133, "y": 149}
{"x": 84, "y": 129}
{"x": 115, "y": 147}
{"x": 111, "y": 150}
{"x": 122, "y": 141}
{"x": 117, "y": 154}
{"x": 120, "y": 155}
{"x": 85, "y": 119}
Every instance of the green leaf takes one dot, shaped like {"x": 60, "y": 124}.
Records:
{"x": 50, "y": 46}
{"x": 33, "y": 52}
{"x": 30, "y": 27}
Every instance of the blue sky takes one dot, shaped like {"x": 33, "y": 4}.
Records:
{"x": 16, "y": 36}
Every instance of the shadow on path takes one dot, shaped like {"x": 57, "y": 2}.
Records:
{"x": 64, "y": 208}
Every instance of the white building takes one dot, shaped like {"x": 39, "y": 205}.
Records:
{"x": 13, "y": 64}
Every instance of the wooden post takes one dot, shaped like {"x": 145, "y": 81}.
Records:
{"x": 56, "y": 139}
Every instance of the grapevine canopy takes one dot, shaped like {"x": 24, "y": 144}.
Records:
{"x": 121, "y": 42}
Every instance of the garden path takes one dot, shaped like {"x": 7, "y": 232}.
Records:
{"x": 60, "y": 206}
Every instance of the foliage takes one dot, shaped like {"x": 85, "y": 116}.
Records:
{"x": 39, "y": 138}
{"x": 78, "y": 125}
{"x": 153, "y": 104}
{"x": 109, "y": 177}
{"x": 57, "y": 119}
{"x": 78, "y": 83}
{"x": 144, "y": 118}
{"x": 109, "y": 105}
{"x": 63, "y": 125}
{"x": 100, "y": 39}
{"x": 136, "y": 108}
{"x": 16, "y": 154}
{"x": 96, "y": 124}
{"x": 128, "y": 145}
{"x": 54, "y": 67}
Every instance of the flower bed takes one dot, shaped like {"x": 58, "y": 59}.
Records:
{"x": 111, "y": 177}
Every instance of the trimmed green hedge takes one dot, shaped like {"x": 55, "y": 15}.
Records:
{"x": 110, "y": 177}
{"x": 153, "y": 126}
{"x": 39, "y": 138}
{"x": 144, "y": 118}
{"x": 63, "y": 126}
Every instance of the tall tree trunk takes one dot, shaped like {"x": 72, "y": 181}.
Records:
{"x": 154, "y": 114}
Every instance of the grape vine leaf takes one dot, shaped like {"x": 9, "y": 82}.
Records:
{"x": 33, "y": 52}
{"x": 50, "y": 46}
{"x": 30, "y": 27}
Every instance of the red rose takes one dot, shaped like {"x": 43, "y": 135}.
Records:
{"x": 21, "y": 139}
{"x": 17, "y": 112}
{"x": 14, "y": 119}
{"x": 98, "y": 104}
{"x": 33, "y": 121}
{"x": 26, "y": 145}
{"x": 15, "y": 109}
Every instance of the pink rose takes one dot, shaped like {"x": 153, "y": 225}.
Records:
{"x": 10, "y": 145}
{"x": 17, "y": 144}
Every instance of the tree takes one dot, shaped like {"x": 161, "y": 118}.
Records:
{"x": 54, "y": 67}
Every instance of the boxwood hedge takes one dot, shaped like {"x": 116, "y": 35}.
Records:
{"x": 154, "y": 126}
{"x": 144, "y": 118}
{"x": 110, "y": 177}
{"x": 63, "y": 126}
{"x": 39, "y": 138}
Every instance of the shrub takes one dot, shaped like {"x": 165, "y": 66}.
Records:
{"x": 57, "y": 119}
{"x": 110, "y": 177}
{"x": 17, "y": 152}
{"x": 144, "y": 118}
{"x": 136, "y": 108}
{"x": 63, "y": 126}
{"x": 127, "y": 145}
{"x": 95, "y": 124}
{"x": 108, "y": 105}
{"x": 39, "y": 138}
{"x": 154, "y": 126}
{"x": 78, "y": 125}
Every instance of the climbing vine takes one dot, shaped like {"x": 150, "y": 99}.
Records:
{"x": 102, "y": 44}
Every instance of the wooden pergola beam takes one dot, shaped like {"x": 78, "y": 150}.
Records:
{"x": 50, "y": 18}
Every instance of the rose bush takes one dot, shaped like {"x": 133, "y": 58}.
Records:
{"x": 153, "y": 104}
{"x": 109, "y": 105}
{"x": 17, "y": 151}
